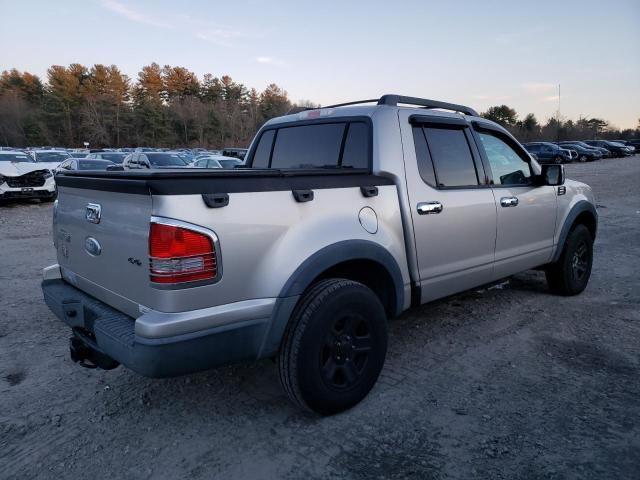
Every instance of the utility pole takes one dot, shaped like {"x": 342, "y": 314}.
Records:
{"x": 558, "y": 117}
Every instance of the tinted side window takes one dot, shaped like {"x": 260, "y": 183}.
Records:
{"x": 263, "y": 150}
{"x": 451, "y": 157}
{"x": 356, "y": 147}
{"x": 308, "y": 146}
{"x": 425, "y": 165}
{"x": 507, "y": 166}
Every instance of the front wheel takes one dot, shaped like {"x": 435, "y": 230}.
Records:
{"x": 571, "y": 273}
{"x": 557, "y": 159}
{"x": 582, "y": 158}
{"x": 334, "y": 346}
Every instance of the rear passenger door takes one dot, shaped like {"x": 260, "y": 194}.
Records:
{"x": 452, "y": 207}
{"x": 526, "y": 212}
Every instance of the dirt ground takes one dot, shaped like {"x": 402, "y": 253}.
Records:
{"x": 509, "y": 382}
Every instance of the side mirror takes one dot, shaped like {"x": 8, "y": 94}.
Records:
{"x": 552, "y": 175}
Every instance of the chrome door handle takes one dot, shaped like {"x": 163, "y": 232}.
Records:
{"x": 509, "y": 201}
{"x": 427, "y": 208}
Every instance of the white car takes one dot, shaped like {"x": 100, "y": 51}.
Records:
{"x": 22, "y": 177}
{"x": 215, "y": 161}
{"x": 49, "y": 158}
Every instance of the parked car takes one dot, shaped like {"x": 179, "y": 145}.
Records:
{"x": 626, "y": 149}
{"x": 216, "y": 161}
{"x": 206, "y": 162}
{"x": 305, "y": 256}
{"x": 605, "y": 153}
{"x": 227, "y": 162}
{"x": 235, "y": 152}
{"x": 84, "y": 164}
{"x": 115, "y": 157}
{"x": 585, "y": 154}
{"x": 548, "y": 152}
{"x": 154, "y": 160}
{"x": 616, "y": 149}
{"x": 50, "y": 158}
{"x": 635, "y": 143}
{"x": 22, "y": 177}
{"x": 573, "y": 154}
{"x": 630, "y": 146}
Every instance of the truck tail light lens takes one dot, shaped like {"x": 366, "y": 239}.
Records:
{"x": 179, "y": 255}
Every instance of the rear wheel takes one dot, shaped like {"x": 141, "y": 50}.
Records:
{"x": 582, "y": 158}
{"x": 571, "y": 273}
{"x": 557, "y": 159}
{"x": 334, "y": 347}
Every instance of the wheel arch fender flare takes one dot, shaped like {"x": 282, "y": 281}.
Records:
{"x": 581, "y": 207}
{"x": 314, "y": 266}
{"x": 340, "y": 252}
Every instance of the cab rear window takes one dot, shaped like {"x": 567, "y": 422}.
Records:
{"x": 321, "y": 145}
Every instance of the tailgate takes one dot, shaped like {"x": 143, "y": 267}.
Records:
{"x": 101, "y": 239}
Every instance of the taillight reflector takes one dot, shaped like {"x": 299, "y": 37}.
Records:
{"x": 179, "y": 255}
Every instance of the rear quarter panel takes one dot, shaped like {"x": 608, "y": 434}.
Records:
{"x": 265, "y": 236}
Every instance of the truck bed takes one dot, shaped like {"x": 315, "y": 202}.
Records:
{"x": 264, "y": 222}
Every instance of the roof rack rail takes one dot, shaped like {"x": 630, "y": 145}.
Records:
{"x": 393, "y": 100}
{"x": 346, "y": 104}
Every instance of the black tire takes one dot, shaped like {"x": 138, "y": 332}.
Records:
{"x": 582, "y": 158}
{"x": 570, "y": 274}
{"x": 334, "y": 346}
{"x": 557, "y": 159}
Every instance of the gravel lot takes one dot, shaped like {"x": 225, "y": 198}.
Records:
{"x": 509, "y": 382}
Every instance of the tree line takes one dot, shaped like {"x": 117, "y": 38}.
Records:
{"x": 557, "y": 128}
{"x": 170, "y": 107}
{"x": 164, "y": 107}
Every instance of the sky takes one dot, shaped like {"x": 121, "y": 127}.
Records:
{"x": 470, "y": 52}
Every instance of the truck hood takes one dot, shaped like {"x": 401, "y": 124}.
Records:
{"x": 15, "y": 169}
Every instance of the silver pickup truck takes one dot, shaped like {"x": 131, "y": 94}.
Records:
{"x": 345, "y": 217}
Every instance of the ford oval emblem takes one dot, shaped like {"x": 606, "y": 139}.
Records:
{"x": 92, "y": 246}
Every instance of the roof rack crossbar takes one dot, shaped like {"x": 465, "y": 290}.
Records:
{"x": 357, "y": 102}
{"x": 394, "y": 100}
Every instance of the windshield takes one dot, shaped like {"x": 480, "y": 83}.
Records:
{"x": 15, "y": 157}
{"x": 114, "y": 157}
{"x": 166, "y": 160}
{"x": 51, "y": 156}
{"x": 78, "y": 154}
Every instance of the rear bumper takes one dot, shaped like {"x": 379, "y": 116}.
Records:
{"x": 114, "y": 334}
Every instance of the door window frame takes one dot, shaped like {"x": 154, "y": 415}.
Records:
{"x": 423, "y": 121}
{"x": 511, "y": 142}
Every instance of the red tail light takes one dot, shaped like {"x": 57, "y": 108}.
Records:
{"x": 179, "y": 255}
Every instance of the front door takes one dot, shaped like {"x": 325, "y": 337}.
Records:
{"x": 452, "y": 208}
{"x": 526, "y": 213}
